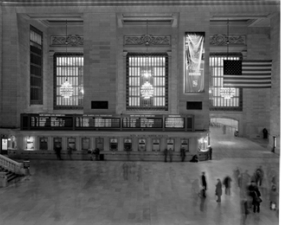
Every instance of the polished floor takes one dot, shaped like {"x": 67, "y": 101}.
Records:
{"x": 140, "y": 193}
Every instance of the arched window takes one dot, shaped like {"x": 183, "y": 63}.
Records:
{"x": 223, "y": 98}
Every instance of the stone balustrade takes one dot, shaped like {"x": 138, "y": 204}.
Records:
{"x": 11, "y": 165}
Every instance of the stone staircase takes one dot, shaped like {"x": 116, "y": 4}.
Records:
{"x": 8, "y": 177}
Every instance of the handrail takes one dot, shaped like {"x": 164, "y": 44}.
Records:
{"x": 11, "y": 165}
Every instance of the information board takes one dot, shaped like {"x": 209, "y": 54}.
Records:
{"x": 174, "y": 122}
{"x": 142, "y": 122}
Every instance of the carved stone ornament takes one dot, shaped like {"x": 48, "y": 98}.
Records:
{"x": 70, "y": 40}
{"x": 147, "y": 39}
{"x": 221, "y": 40}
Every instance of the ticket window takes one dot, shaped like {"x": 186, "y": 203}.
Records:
{"x": 43, "y": 143}
{"x": 203, "y": 144}
{"x": 185, "y": 145}
{"x": 142, "y": 144}
{"x": 100, "y": 144}
{"x": 128, "y": 144}
{"x": 156, "y": 144}
{"x": 4, "y": 143}
{"x": 71, "y": 143}
{"x": 12, "y": 142}
{"x": 171, "y": 144}
{"x": 85, "y": 143}
{"x": 57, "y": 142}
{"x": 113, "y": 144}
{"x": 30, "y": 142}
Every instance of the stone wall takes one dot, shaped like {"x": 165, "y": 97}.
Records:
{"x": 10, "y": 68}
{"x": 100, "y": 67}
{"x": 193, "y": 21}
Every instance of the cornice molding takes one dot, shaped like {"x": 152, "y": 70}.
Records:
{"x": 136, "y": 2}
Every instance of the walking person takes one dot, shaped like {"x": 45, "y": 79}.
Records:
{"x": 218, "y": 191}
{"x": 183, "y": 154}
{"x": 165, "y": 154}
{"x": 202, "y": 196}
{"x": 210, "y": 153}
{"x": 97, "y": 153}
{"x": 273, "y": 196}
{"x": 204, "y": 181}
{"x": 236, "y": 175}
{"x": 259, "y": 174}
{"x": 244, "y": 211}
{"x": 255, "y": 194}
{"x": 227, "y": 184}
{"x": 58, "y": 150}
{"x": 69, "y": 152}
{"x": 171, "y": 154}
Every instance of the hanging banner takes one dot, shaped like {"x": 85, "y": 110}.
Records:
{"x": 194, "y": 62}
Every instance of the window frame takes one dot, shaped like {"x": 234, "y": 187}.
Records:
{"x": 39, "y": 87}
{"x": 166, "y": 83}
{"x": 240, "y": 90}
{"x": 66, "y": 107}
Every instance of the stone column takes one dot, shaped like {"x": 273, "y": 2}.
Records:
{"x": 275, "y": 81}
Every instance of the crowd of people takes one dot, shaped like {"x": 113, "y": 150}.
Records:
{"x": 251, "y": 188}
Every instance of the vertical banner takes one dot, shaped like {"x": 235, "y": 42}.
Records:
{"x": 194, "y": 62}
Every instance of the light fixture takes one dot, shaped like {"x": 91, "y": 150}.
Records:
{"x": 66, "y": 89}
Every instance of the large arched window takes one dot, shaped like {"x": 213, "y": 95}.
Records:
{"x": 223, "y": 98}
{"x": 68, "y": 81}
{"x": 147, "y": 82}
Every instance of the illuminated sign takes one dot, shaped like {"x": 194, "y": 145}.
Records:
{"x": 227, "y": 93}
{"x": 66, "y": 89}
{"x": 147, "y": 90}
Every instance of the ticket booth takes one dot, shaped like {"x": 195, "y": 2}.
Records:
{"x": 71, "y": 143}
{"x": 156, "y": 144}
{"x": 43, "y": 143}
{"x": 58, "y": 142}
{"x": 142, "y": 144}
{"x": 100, "y": 143}
{"x": 4, "y": 144}
{"x": 86, "y": 144}
{"x": 171, "y": 144}
{"x": 30, "y": 143}
{"x": 185, "y": 145}
{"x": 128, "y": 144}
{"x": 113, "y": 144}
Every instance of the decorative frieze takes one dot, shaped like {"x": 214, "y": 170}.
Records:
{"x": 70, "y": 40}
{"x": 221, "y": 40}
{"x": 147, "y": 40}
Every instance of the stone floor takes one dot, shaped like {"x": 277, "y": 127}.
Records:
{"x": 139, "y": 193}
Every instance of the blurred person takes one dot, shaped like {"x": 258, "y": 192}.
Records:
{"x": 218, "y": 191}
{"x": 273, "y": 196}
{"x": 244, "y": 211}
{"x": 171, "y": 154}
{"x": 204, "y": 181}
{"x": 227, "y": 184}
{"x": 183, "y": 154}
{"x": 255, "y": 195}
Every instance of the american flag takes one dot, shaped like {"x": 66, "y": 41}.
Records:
{"x": 247, "y": 74}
